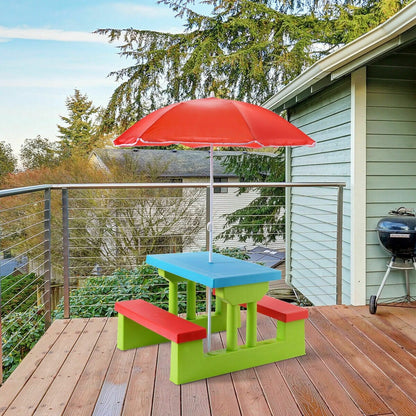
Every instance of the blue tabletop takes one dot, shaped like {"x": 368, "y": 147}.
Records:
{"x": 224, "y": 271}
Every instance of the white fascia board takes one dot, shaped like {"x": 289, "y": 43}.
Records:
{"x": 358, "y": 48}
{"x": 358, "y": 186}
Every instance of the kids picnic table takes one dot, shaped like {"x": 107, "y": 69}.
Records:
{"x": 236, "y": 283}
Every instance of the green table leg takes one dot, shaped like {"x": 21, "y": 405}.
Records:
{"x": 191, "y": 300}
{"x": 251, "y": 324}
{"x": 233, "y": 296}
{"x": 173, "y": 297}
{"x": 233, "y": 312}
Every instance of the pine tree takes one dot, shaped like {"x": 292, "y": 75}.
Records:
{"x": 244, "y": 50}
{"x": 79, "y": 136}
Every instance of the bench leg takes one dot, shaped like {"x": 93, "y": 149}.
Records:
{"x": 131, "y": 335}
{"x": 292, "y": 337}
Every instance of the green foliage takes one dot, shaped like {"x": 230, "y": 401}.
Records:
{"x": 21, "y": 331}
{"x": 18, "y": 293}
{"x": 262, "y": 219}
{"x": 244, "y": 50}
{"x": 236, "y": 253}
{"x": 39, "y": 152}
{"x": 79, "y": 136}
{"x": 343, "y": 22}
{"x": 8, "y": 161}
{"x": 99, "y": 294}
{"x": 22, "y": 320}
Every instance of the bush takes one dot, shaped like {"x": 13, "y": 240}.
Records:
{"x": 18, "y": 293}
{"x": 99, "y": 294}
{"x": 21, "y": 331}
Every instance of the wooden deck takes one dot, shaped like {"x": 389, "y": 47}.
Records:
{"x": 356, "y": 364}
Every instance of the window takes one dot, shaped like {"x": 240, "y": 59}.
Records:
{"x": 220, "y": 190}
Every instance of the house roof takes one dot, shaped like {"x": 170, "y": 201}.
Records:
{"x": 266, "y": 256}
{"x": 396, "y": 31}
{"x": 9, "y": 265}
{"x": 173, "y": 163}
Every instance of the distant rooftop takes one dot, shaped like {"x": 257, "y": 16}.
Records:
{"x": 173, "y": 163}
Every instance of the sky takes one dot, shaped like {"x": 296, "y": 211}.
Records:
{"x": 47, "y": 50}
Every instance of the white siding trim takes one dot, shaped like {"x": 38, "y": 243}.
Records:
{"x": 288, "y": 215}
{"x": 358, "y": 186}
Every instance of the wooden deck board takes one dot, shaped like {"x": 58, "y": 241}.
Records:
{"x": 356, "y": 364}
{"x": 87, "y": 390}
{"x": 25, "y": 370}
{"x": 54, "y": 401}
{"x": 38, "y": 384}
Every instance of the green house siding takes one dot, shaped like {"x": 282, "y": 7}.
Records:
{"x": 391, "y": 156}
{"x": 326, "y": 118}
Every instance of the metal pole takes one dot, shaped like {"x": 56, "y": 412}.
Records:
{"x": 340, "y": 214}
{"x": 211, "y": 201}
{"x": 207, "y": 205}
{"x": 47, "y": 258}
{"x": 1, "y": 335}
{"x": 65, "y": 237}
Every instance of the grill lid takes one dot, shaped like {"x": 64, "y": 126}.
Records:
{"x": 397, "y": 233}
{"x": 397, "y": 224}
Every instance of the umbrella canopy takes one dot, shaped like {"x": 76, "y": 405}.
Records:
{"x": 213, "y": 121}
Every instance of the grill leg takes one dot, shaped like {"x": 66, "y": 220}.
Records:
{"x": 383, "y": 282}
{"x": 407, "y": 286}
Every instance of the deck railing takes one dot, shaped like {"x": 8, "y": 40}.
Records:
{"x": 72, "y": 250}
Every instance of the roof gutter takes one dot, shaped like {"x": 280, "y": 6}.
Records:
{"x": 348, "y": 58}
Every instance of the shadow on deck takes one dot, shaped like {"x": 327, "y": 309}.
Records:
{"x": 355, "y": 364}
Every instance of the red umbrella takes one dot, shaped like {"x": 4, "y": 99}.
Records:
{"x": 208, "y": 122}
{"x": 213, "y": 121}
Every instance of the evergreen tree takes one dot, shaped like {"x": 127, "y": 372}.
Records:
{"x": 243, "y": 50}
{"x": 79, "y": 136}
{"x": 262, "y": 219}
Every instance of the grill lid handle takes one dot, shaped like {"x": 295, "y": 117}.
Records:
{"x": 403, "y": 211}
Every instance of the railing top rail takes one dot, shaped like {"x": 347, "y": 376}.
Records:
{"x": 37, "y": 188}
{"x": 23, "y": 190}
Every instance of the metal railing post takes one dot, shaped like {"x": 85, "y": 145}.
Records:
{"x": 340, "y": 214}
{"x": 65, "y": 244}
{"x": 47, "y": 258}
{"x": 1, "y": 336}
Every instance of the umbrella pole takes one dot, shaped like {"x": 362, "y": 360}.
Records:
{"x": 211, "y": 200}
{"x": 211, "y": 205}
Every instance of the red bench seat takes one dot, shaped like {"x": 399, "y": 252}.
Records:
{"x": 162, "y": 322}
{"x": 280, "y": 310}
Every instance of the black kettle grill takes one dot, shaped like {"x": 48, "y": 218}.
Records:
{"x": 397, "y": 235}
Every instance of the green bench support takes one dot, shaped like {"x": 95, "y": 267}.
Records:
{"x": 141, "y": 323}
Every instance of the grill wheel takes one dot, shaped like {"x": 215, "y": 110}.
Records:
{"x": 373, "y": 304}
